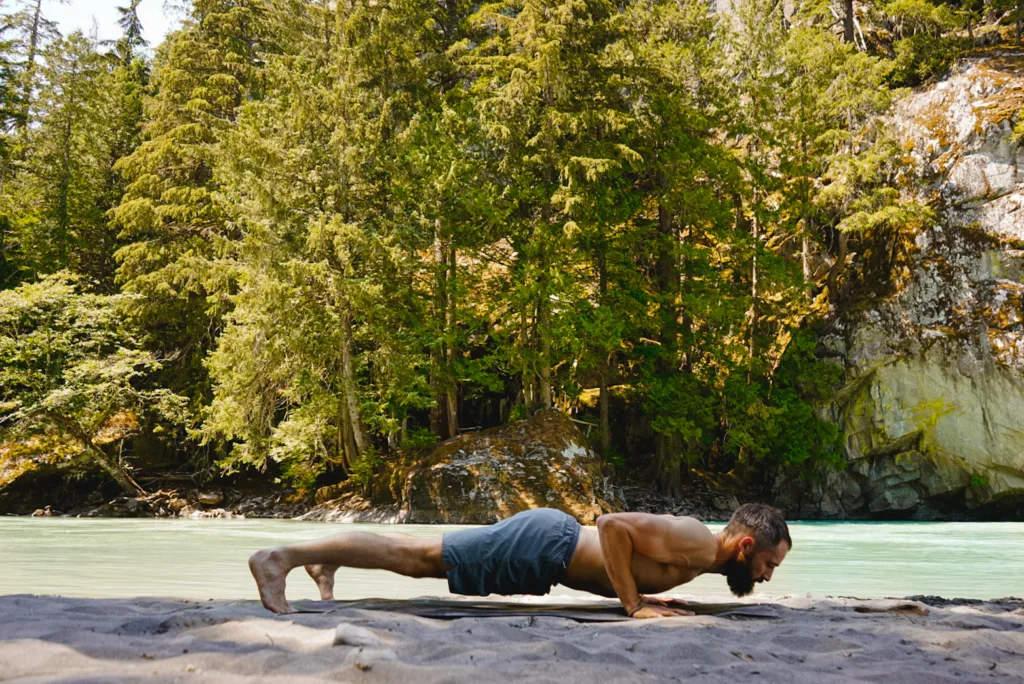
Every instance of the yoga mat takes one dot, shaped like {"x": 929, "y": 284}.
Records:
{"x": 448, "y": 609}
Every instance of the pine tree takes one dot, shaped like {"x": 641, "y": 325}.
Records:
{"x": 675, "y": 58}
{"x": 36, "y": 32}
{"x": 339, "y": 143}
{"x": 168, "y": 215}
{"x": 11, "y": 114}
{"x": 56, "y": 203}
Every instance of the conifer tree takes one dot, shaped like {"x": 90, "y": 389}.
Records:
{"x": 56, "y": 207}
{"x": 168, "y": 215}
{"x": 337, "y": 152}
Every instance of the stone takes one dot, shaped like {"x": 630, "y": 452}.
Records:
{"x": 729, "y": 504}
{"x": 895, "y": 499}
{"x": 328, "y": 493}
{"x": 351, "y": 635}
{"x": 210, "y": 498}
{"x": 486, "y": 476}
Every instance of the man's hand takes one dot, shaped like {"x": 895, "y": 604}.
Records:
{"x": 667, "y": 601}
{"x": 657, "y": 611}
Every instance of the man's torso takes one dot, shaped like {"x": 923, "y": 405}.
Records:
{"x": 586, "y": 571}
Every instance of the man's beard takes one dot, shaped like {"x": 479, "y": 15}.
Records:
{"x": 739, "y": 577}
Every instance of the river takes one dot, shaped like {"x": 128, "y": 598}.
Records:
{"x": 203, "y": 559}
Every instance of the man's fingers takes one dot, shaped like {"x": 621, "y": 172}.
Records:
{"x": 649, "y": 611}
{"x": 667, "y": 601}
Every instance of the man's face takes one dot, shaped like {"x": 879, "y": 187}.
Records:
{"x": 752, "y": 565}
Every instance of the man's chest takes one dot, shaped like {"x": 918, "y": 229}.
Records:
{"x": 652, "y": 577}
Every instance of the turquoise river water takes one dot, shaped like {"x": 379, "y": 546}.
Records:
{"x": 203, "y": 559}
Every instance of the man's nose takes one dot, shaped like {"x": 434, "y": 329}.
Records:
{"x": 767, "y": 576}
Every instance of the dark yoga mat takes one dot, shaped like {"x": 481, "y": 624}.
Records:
{"x": 448, "y": 609}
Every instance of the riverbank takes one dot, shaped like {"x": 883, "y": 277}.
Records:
{"x": 812, "y": 641}
{"x": 341, "y": 503}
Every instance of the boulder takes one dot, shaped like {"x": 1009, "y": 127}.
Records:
{"x": 482, "y": 477}
{"x": 210, "y": 498}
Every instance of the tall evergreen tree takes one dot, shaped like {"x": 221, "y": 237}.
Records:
{"x": 56, "y": 203}
{"x": 168, "y": 215}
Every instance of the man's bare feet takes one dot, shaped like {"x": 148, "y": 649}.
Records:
{"x": 270, "y": 570}
{"x": 323, "y": 575}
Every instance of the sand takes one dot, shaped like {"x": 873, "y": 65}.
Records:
{"x": 813, "y": 641}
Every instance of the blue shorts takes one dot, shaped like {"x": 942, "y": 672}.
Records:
{"x": 525, "y": 554}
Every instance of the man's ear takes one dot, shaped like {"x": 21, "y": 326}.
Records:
{"x": 746, "y": 545}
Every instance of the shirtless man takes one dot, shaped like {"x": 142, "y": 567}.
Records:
{"x": 626, "y": 555}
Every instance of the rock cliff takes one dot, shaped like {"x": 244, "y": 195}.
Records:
{"x": 933, "y": 412}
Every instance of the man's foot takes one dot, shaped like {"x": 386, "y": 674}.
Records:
{"x": 323, "y": 575}
{"x": 270, "y": 571}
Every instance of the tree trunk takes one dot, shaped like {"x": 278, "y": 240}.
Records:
{"x": 667, "y": 447}
{"x": 837, "y": 269}
{"x": 4, "y": 269}
{"x": 350, "y": 454}
{"x": 119, "y": 474}
{"x": 603, "y": 370}
{"x": 544, "y": 344}
{"x": 109, "y": 465}
{"x": 805, "y": 262}
{"x": 30, "y": 63}
{"x": 848, "y": 21}
{"x": 1020, "y": 18}
{"x": 63, "y": 218}
{"x": 348, "y": 379}
{"x": 451, "y": 390}
{"x": 527, "y": 371}
{"x": 438, "y": 357}
{"x": 752, "y": 351}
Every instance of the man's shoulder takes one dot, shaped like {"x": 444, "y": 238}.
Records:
{"x": 691, "y": 523}
{"x": 704, "y": 546}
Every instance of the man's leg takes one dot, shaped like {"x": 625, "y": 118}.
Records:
{"x": 409, "y": 556}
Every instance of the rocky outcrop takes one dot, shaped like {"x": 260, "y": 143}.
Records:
{"x": 486, "y": 476}
{"x": 933, "y": 413}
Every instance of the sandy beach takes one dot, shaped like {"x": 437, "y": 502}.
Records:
{"x": 49, "y": 639}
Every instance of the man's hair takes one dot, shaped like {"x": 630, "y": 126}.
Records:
{"x": 764, "y": 523}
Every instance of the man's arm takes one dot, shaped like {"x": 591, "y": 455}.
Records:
{"x": 681, "y": 542}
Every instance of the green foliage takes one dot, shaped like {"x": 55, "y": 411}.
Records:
{"x": 333, "y": 221}
{"x": 418, "y": 439}
{"x": 55, "y": 205}
{"x": 170, "y": 221}
{"x": 70, "y": 368}
{"x": 775, "y": 425}
{"x": 919, "y": 18}
{"x": 922, "y": 57}
{"x": 364, "y": 469}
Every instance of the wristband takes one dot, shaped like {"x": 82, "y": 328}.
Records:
{"x": 638, "y": 607}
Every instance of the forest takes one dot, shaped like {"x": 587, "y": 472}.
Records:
{"x": 301, "y": 236}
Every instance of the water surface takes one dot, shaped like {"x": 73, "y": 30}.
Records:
{"x": 203, "y": 559}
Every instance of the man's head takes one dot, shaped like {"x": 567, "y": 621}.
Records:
{"x": 761, "y": 539}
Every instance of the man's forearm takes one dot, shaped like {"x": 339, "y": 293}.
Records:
{"x": 617, "y": 548}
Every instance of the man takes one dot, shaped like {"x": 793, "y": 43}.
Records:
{"x": 625, "y": 555}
